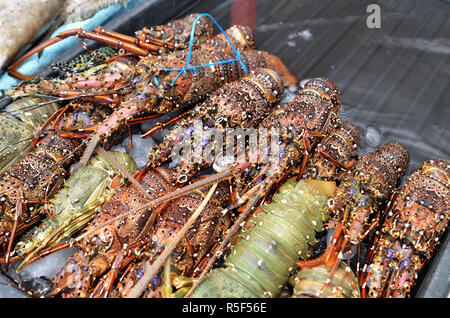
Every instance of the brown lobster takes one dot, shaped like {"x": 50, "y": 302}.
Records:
{"x": 32, "y": 180}
{"x": 238, "y": 104}
{"x": 156, "y": 40}
{"x": 161, "y": 84}
{"x": 417, "y": 218}
{"x": 104, "y": 250}
{"x": 302, "y": 124}
{"x": 363, "y": 192}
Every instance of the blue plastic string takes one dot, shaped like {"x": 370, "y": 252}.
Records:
{"x": 191, "y": 43}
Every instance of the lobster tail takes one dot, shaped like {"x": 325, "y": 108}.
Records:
{"x": 261, "y": 261}
{"x": 318, "y": 282}
{"x": 324, "y": 88}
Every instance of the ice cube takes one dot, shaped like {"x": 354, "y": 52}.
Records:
{"x": 373, "y": 135}
{"x": 141, "y": 147}
{"x": 48, "y": 266}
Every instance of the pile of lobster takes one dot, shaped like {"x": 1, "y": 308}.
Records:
{"x": 201, "y": 219}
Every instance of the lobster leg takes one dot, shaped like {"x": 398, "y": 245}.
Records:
{"x": 54, "y": 117}
{"x": 79, "y": 33}
{"x": 223, "y": 245}
{"x": 112, "y": 122}
{"x": 332, "y": 255}
{"x": 18, "y": 214}
{"x": 365, "y": 274}
{"x": 102, "y": 99}
{"x": 21, "y": 228}
{"x": 104, "y": 287}
{"x": 160, "y": 126}
{"x": 47, "y": 251}
{"x": 275, "y": 174}
{"x": 143, "y": 118}
{"x": 181, "y": 284}
{"x": 308, "y": 148}
{"x": 154, "y": 268}
{"x": 326, "y": 156}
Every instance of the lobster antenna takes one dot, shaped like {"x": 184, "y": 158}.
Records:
{"x": 93, "y": 142}
{"x": 16, "y": 143}
{"x": 38, "y": 105}
{"x": 238, "y": 224}
{"x": 126, "y": 174}
{"x": 216, "y": 178}
{"x": 142, "y": 284}
{"x": 57, "y": 99}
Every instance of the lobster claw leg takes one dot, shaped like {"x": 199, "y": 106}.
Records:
{"x": 333, "y": 253}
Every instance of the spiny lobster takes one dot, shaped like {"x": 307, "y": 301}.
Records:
{"x": 112, "y": 71}
{"x": 356, "y": 205}
{"x": 174, "y": 35}
{"x": 417, "y": 218}
{"x": 153, "y": 84}
{"x": 107, "y": 249}
{"x": 238, "y": 104}
{"x": 301, "y": 123}
{"x": 75, "y": 205}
